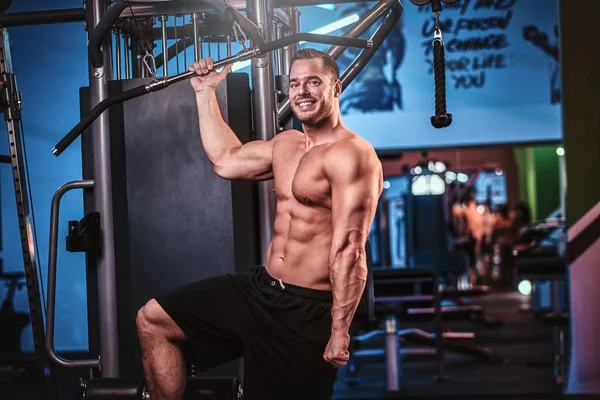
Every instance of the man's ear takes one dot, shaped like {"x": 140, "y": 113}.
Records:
{"x": 337, "y": 88}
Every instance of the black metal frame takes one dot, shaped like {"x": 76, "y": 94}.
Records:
{"x": 11, "y": 99}
{"x": 162, "y": 83}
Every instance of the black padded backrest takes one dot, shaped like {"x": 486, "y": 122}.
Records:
{"x": 175, "y": 220}
{"x": 443, "y": 262}
{"x": 541, "y": 265}
{"x": 393, "y": 282}
{"x": 427, "y": 222}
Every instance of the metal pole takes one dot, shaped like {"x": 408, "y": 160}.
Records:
{"x": 393, "y": 358}
{"x": 562, "y": 170}
{"x": 264, "y": 116}
{"x": 201, "y": 39}
{"x": 118, "y": 53}
{"x": 197, "y": 46}
{"x": 165, "y": 49}
{"x": 228, "y": 45}
{"x": 21, "y": 180}
{"x": 109, "y": 344}
{"x": 295, "y": 26}
{"x": 219, "y": 47}
{"x": 279, "y": 35}
{"x": 185, "y": 63}
{"x": 137, "y": 51}
{"x": 176, "y": 42}
{"x": 288, "y": 51}
{"x": 439, "y": 331}
{"x": 126, "y": 51}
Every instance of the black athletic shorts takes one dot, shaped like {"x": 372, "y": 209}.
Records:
{"x": 281, "y": 330}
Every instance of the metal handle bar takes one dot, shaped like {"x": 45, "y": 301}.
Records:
{"x": 162, "y": 83}
{"x": 52, "y": 255}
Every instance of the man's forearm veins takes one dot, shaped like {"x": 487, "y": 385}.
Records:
{"x": 348, "y": 274}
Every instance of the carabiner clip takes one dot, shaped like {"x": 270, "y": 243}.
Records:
{"x": 151, "y": 69}
{"x": 237, "y": 32}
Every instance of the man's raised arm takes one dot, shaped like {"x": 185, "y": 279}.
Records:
{"x": 355, "y": 175}
{"x": 230, "y": 158}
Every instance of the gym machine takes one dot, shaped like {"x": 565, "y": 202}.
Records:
{"x": 272, "y": 26}
{"x": 10, "y": 101}
{"x": 398, "y": 296}
{"x": 539, "y": 258}
{"x": 111, "y": 234}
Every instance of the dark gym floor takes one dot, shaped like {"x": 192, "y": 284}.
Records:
{"x": 524, "y": 342}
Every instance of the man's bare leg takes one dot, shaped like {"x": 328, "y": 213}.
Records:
{"x": 164, "y": 364}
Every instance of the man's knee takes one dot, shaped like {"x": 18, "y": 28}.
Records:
{"x": 152, "y": 319}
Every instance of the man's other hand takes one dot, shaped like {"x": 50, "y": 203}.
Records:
{"x": 336, "y": 352}
{"x": 207, "y": 77}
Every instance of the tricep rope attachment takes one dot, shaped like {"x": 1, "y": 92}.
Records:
{"x": 442, "y": 118}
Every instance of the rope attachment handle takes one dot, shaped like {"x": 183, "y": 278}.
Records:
{"x": 442, "y": 118}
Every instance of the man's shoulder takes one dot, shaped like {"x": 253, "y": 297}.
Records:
{"x": 354, "y": 146}
{"x": 353, "y": 155}
{"x": 290, "y": 134}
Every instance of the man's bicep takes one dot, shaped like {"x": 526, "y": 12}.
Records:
{"x": 252, "y": 161}
{"x": 353, "y": 210}
{"x": 354, "y": 202}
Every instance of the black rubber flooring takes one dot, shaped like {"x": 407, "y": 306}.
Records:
{"x": 523, "y": 341}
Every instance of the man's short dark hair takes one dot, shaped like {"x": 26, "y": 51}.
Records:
{"x": 328, "y": 61}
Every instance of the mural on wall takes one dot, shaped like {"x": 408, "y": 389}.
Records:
{"x": 476, "y": 43}
{"x": 375, "y": 89}
{"x": 502, "y": 75}
{"x": 541, "y": 40}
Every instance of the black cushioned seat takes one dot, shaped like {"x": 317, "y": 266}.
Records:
{"x": 557, "y": 319}
{"x": 541, "y": 268}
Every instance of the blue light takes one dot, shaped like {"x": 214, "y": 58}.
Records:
{"x": 329, "y": 7}
{"x": 334, "y": 26}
